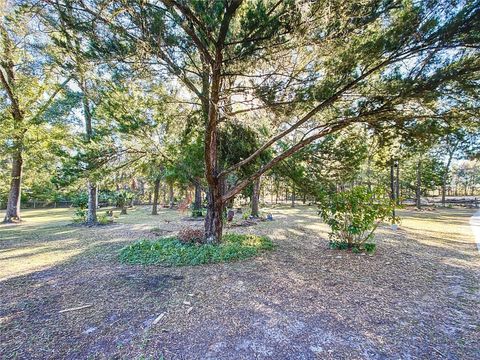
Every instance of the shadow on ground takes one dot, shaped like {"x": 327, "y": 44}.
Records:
{"x": 417, "y": 297}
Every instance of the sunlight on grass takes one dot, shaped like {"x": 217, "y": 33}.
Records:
{"x": 46, "y": 238}
{"x": 26, "y": 260}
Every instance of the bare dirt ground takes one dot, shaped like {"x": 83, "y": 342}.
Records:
{"x": 418, "y": 297}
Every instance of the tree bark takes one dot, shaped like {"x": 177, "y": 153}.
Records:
{"x": 445, "y": 176}
{"x": 197, "y": 203}
{"x": 397, "y": 184}
{"x": 14, "y": 196}
{"x": 418, "y": 187}
{"x": 92, "y": 204}
{"x": 213, "y": 220}
{"x": 392, "y": 180}
{"x": 255, "y": 197}
{"x": 91, "y": 188}
{"x": 8, "y": 82}
{"x": 293, "y": 196}
{"x": 156, "y": 190}
{"x": 171, "y": 197}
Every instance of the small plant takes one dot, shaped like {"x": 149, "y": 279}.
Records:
{"x": 197, "y": 213}
{"x": 354, "y": 215}
{"x": 104, "y": 219}
{"x": 122, "y": 198}
{"x": 191, "y": 236}
{"x": 246, "y": 214}
{"x": 356, "y": 250}
{"x": 80, "y": 216}
{"x": 369, "y": 247}
{"x": 338, "y": 245}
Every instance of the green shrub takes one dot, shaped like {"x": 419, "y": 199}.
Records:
{"x": 246, "y": 214}
{"x": 354, "y": 215}
{"x": 171, "y": 251}
{"x": 80, "y": 216}
{"x": 338, "y": 245}
{"x": 104, "y": 219}
{"x": 197, "y": 213}
{"x": 369, "y": 247}
{"x": 356, "y": 250}
{"x": 80, "y": 200}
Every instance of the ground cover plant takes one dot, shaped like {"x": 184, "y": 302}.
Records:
{"x": 174, "y": 251}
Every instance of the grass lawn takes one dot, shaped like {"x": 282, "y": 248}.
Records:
{"x": 417, "y": 297}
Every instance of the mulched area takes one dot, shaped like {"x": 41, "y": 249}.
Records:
{"x": 417, "y": 297}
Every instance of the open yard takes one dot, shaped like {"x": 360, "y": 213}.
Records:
{"x": 417, "y": 297}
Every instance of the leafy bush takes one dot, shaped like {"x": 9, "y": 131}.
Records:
{"x": 354, "y": 215}
{"x": 80, "y": 200}
{"x": 122, "y": 197}
{"x": 80, "y": 216}
{"x": 246, "y": 214}
{"x": 369, "y": 247}
{"x": 191, "y": 236}
{"x": 197, "y": 213}
{"x": 356, "y": 250}
{"x": 171, "y": 251}
{"x": 338, "y": 245}
{"x": 104, "y": 219}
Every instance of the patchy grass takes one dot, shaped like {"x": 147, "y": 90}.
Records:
{"x": 417, "y": 297}
{"x": 171, "y": 251}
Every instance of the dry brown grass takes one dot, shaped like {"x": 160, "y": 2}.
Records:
{"x": 418, "y": 297}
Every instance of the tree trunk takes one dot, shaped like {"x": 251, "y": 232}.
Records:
{"x": 418, "y": 188}
{"x": 255, "y": 197}
{"x": 14, "y": 196}
{"x": 392, "y": 180}
{"x": 124, "y": 210}
{"x": 156, "y": 190}
{"x": 9, "y": 84}
{"x": 164, "y": 194}
{"x": 293, "y": 196}
{"x": 91, "y": 187}
{"x": 445, "y": 177}
{"x": 197, "y": 203}
{"x": 171, "y": 198}
{"x": 213, "y": 220}
{"x": 397, "y": 184}
{"x": 92, "y": 204}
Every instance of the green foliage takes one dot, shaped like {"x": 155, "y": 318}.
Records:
{"x": 246, "y": 214}
{"x": 122, "y": 197}
{"x": 171, "y": 251}
{"x": 80, "y": 216}
{"x": 104, "y": 219}
{"x": 353, "y": 215}
{"x": 196, "y": 213}
{"x": 356, "y": 250}
{"x": 338, "y": 245}
{"x": 369, "y": 247}
{"x": 333, "y": 159}
{"x": 80, "y": 200}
